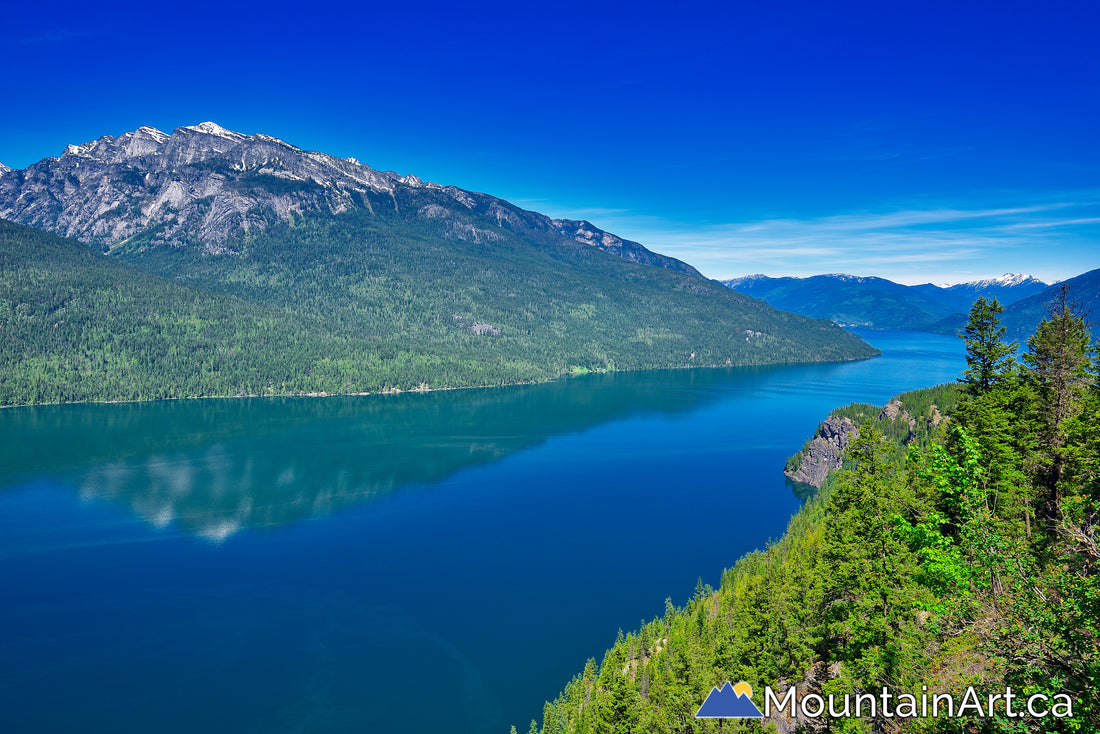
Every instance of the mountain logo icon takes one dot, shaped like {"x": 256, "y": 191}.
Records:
{"x": 729, "y": 702}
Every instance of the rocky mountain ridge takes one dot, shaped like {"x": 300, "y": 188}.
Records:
{"x": 205, "y": 185}
{"x": 1020, "y": 318}
{"x": 1008, "y": 279}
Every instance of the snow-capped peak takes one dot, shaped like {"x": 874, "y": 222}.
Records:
{"x": 213, "y": 128}
{"x": 158, "y": 135}
{"x": 732, "y": 281}
{"x": 1007, "y": 280}
{"x": 80, "y": 150}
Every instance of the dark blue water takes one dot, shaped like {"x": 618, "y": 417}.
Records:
{"x": 412, "y": 563}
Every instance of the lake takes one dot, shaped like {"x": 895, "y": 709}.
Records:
{"x": 414, "y": 563}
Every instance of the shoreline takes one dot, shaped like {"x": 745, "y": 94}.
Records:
{"x": 399, "y": 391}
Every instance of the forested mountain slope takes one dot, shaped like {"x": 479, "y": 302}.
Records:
{"x": 332, "y": 277}
{"x": 353, "y": 303}
{"x": 972, "y": 561}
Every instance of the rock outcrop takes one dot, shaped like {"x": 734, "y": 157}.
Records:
{"x": 824, "y": 452}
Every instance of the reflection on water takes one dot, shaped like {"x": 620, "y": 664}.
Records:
{"x": 543, "y": 518}
{"x": 213, "y": 467}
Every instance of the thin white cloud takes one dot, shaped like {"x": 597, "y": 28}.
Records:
{"x": 910, "y": 244}
{"x": 1049, "y": 224}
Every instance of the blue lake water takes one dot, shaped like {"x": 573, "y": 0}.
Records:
{"x": 410, "y": 563}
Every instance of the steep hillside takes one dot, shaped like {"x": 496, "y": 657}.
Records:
{"x": 848, "y": 300}
{"x": 353, "y": 303}
{"x": 911, "y": 418}
{"x": 915, "y": 570}
{"x": 374, "y": 281}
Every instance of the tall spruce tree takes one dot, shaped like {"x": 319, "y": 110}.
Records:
{"x": 1060, "y": 365}
{"x": 863, "y": 560}
{"x": 988, "y": 358}
{"x": 996, "y": 408}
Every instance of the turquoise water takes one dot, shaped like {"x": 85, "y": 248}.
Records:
{"x": 407, "y": 563}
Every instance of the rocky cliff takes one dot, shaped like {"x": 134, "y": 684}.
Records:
{"x": 907, "y": 418}
{"x": 824, "y": 452}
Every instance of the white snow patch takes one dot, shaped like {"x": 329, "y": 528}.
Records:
{"x": 158, "y": 135}
{"x": 80, "y": 150}
{"x": 213, "y": 128}
{"x": 1007, "y": 280}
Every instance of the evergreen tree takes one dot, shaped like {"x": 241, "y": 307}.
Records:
{"x": 988, "y": 358}
{"x": 1060, "y": 365}
{"x": 864, "y": 560}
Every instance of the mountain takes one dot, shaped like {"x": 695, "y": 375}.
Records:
{"x": 1008, "y": 288}
{"x": 848, "y": 300}
{"x": 204, "y": 186}
{"x": 78, "y": 325}
{"x": 1022, "y": 317}
{"x": 877, "y": 303}
{"x": 201, "y": 266}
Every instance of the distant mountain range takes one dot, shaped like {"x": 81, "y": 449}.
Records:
{"x": 1022, "y": 316}
{"x": 877, "y": 303}
{"x": 210, "y": 262}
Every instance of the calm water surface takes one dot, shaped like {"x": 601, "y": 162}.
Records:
{"x": 411, "y": 563}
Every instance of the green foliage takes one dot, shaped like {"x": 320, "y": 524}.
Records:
{"x": 942, "y": 566}
{"x": 1061, "y": 371}
{"x": 361, "y": 303}
{"x": 988, "y": 358}
{"x": 919, "y": 414}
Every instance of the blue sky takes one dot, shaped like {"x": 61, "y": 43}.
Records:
{"x": 918, "y": 141}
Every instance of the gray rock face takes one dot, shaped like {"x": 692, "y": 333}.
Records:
{"x": 586, "y": 232}
{"x": 203, "y": 185}
{"x": 825, "y": 452}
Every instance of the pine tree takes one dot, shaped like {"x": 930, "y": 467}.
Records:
{"x": 988, "y": 358}
{"x": 864, "y": 562}
{"x": 1060, "y": 366}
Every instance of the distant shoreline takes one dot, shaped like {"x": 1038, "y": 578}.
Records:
{"x": 399, "y": 391}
